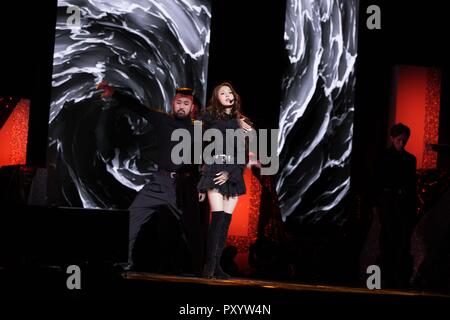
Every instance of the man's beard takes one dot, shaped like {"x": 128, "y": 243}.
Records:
{"x": 181, "y": 115}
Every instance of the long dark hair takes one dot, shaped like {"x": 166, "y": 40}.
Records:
{"x": 216, "y": 108}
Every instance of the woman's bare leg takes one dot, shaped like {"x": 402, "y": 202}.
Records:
{"x": 229, "y": 204}
{"x": 216, "y": 200}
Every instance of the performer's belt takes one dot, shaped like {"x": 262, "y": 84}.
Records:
{"x": 174, "y": 174}
{"x": 222, "y": 158}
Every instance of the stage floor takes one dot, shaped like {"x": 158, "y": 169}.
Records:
{"x": 170, "y": 293}
{"x": 176, "y": 294}
{"x": 274, "y": 285}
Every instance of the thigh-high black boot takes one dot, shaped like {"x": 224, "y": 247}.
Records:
{"x": 214, "y": 232}
{"x": 219, "y": 273}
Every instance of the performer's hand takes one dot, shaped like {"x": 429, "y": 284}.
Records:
{"x": 221, "y": 178}
{"x": 244, "y": 125}
{"x": 254, "y": 163}
{"x": 201, "y": 196}
{"x": 107, "y": 89}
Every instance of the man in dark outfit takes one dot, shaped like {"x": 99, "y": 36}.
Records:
{"x": 171, "y": 192}
{"x": 395, "y": 202}
{"x": 169, "y": 197}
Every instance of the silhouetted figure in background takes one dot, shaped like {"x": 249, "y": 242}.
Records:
{"x": 395, "y": 205}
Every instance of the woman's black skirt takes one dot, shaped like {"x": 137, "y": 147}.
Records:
{"x": 234, "y": 186}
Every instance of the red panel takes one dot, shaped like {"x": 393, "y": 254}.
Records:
{"x": 432, "y": 109}
{"x": 244, "y": 223}
{"x": 417, "y": 106}
{"x": 14, "y": 136}
{"x": 410, "y": 106}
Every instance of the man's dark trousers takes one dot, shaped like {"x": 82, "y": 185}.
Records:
{"x": 158, "y": 195}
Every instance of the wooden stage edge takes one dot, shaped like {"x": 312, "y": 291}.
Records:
{"x": 269, "y": 285}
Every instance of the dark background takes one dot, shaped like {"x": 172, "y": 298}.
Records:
{"x": 247, "y": 49}
{"x": 27, "y": 37}
{"x": 411, "y": 34}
